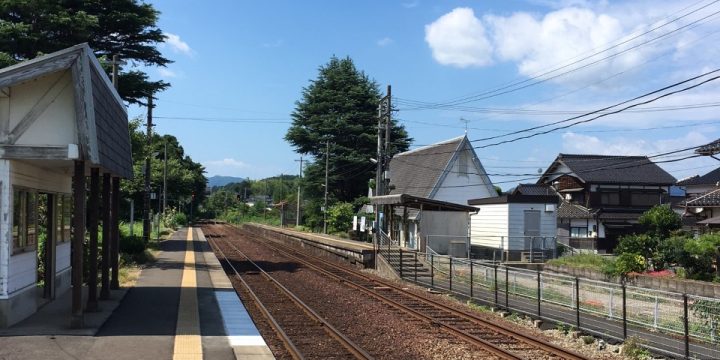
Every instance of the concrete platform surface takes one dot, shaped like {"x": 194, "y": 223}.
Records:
{"x": 142, "y": 321}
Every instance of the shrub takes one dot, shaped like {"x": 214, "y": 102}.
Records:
{"x": 629, "y": 262}
{"x": 632, "y": 348}
{"x": 340, "y": 217}
{"x": 132, "y": 244}
{"x": 642, "y": 244}
{"x": 660, "y": 221}
{"x": 671, "y": 251}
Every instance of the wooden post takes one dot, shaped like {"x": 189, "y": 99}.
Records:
{"x": 78, "y": 220}
{"x": 115, "y": 233}
{"x": 106, "y": 240}
{"x": 93, "y": 207}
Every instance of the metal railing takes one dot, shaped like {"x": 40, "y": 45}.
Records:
{"x": 515, "y": 248}
{"x": 674, "y": 324}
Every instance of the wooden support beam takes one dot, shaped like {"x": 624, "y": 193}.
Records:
{"x": 78, "y": 220}
{"x": 115, "y": 233}
{"x": 93, "y": 208}
{"x": 47, "y": 152}
{"x": 106, "y": 240}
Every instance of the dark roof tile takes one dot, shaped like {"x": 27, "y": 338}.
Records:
{"x": 615, "y": 169}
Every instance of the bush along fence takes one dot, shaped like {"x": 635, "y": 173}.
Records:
{"x": 672, "y": 324}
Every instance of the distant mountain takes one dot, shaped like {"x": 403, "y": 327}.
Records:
{"x": 219, "y": 180}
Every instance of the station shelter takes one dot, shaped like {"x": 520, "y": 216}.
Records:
{"x": 61, "y": 120}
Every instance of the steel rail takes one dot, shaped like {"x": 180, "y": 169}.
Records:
{"x": 287, "y": 343}
{"x": 522, "y": 338}
{"x": 353, "y": 348}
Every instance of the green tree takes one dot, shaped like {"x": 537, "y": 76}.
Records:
{"x": 340, "y": 217}
{"x": 184, "y": 176}
{"x": 127, "y": 28}
{"x": 660, "y": 220}
{"x": 641, "y": 244}
{"x": 340, "y": 107}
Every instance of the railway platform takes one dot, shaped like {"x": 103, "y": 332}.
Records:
{"x": 182, "y": 307}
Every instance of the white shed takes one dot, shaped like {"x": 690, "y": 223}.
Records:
{"x": 514, "y": 227}
{"x": 60, "y": 120}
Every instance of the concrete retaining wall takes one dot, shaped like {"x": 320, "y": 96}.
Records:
{"x": 691, "y": 287}
{"x": 360, "y": 258}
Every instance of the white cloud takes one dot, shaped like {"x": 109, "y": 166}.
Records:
{"x": 166, "y": 73}
{"x": 228, "y": 167}
{"x": 274, "y": 44}
{"x": 458, "y": 39}
{"x": 410, "y": 4}
{"x": 385, "y": 42}
{"x": 177, "y": 45}
{"x": 570, "y": 31}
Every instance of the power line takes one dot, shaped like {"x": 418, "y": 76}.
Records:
{"x": 518, "y": 85}
{"x": 609, "y": 113}
{"x": 229, "y": 120}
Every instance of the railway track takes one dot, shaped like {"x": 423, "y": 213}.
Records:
{"x": 303, "y": 332}
{"x": 502, "y": 342}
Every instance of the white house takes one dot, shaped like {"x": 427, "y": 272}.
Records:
{"x": 448, "y": 171}
{"x": 514, "y": 227}
{"x": 60, "y": 120}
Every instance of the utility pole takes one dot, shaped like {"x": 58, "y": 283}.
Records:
{"x": 115, "y": 62}
{"x": 164, "y": 191}
{"x": 327, "y": 158}
{"x": 297, "y": 217}
{"x": 146, "y": 197}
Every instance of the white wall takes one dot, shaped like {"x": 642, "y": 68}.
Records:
{"x": 489, "y": 225}
{"x": 5, "y": 226}
{"x": 56, "y": 125}
{"x": 62, "y": 257}
{"x": 589, "y": 223}
{"x": 23, "y": 271}
{"x": 516, "y": 224}
{"x": 459, "y": 188}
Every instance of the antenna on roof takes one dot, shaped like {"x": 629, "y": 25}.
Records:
{"x": 466, "y": 121}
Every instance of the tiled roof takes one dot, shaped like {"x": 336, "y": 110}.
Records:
{"x": 416, "y": 172}
{"x": 534, "y": 189}
{"x": 710, "y": 178}
{"x": 567, "y": 210}
{"x": 614, "y": 169}
{"x": 710, "y": 198}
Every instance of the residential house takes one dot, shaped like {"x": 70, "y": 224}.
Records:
{"x": 603, "y": 196}
{"x": 698, "y": 185}
{"x": 448, "y": 171}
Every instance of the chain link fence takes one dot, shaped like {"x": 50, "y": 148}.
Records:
{"x": 672, "y": 324}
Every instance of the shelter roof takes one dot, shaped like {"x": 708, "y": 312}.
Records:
{"x": 416, "y": 202}
{"x": 100, "y": 114}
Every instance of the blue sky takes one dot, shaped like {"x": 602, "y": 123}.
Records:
{"x": 241, "y": 65}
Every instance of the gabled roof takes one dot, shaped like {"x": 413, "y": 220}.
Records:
{"x": 605, "y": 169}
{"x": 710, "y": 178}
{"x": 708, "y": 199}
{"x": 419, "y": 172}
{"x": 568, "y": 210}
{"x": 100, "y": 114}
{"x": 534, "y": 189}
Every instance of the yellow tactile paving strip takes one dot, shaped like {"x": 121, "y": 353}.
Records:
{"x": 188, "y": 343}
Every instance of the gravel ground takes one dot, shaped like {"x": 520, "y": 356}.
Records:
{"x": 374, "y": 326}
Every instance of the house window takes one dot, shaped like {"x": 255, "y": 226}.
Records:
{"x": 579, "y": 232}
{"x": 24, "y": 227}
{"x": 610, "y": 198}
{"x": 645, "y": 199}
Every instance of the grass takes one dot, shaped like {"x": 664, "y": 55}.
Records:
{"x": 584, "y": 261}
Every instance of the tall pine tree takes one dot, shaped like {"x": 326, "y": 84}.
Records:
{"x": 340, "y": 107}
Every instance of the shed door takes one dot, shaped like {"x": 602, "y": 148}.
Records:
{"x": 532, "y": 223}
